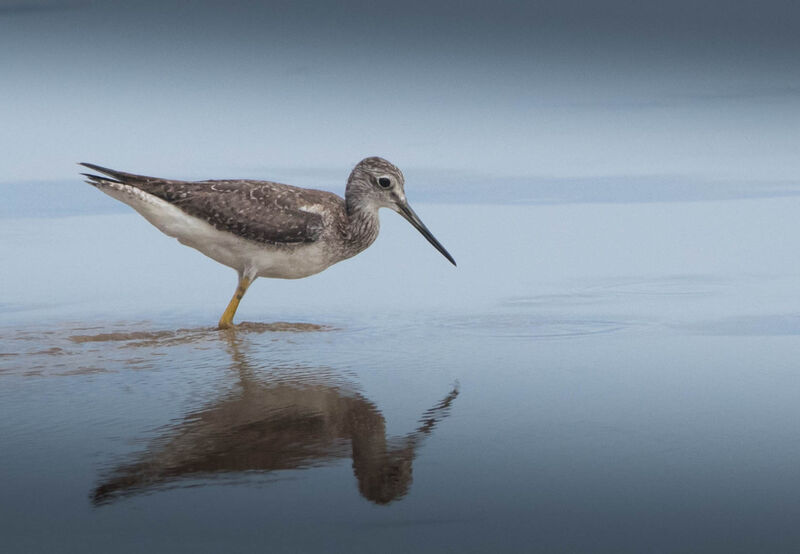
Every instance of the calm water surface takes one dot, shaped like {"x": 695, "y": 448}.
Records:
{"x": 592, "y": 378}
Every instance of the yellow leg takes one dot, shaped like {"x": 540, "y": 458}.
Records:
{"x": 226, "y": 321}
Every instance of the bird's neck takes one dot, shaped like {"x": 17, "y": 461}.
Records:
{"x": 363, "y": 226}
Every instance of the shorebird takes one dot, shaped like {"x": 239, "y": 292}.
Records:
{"x": 266, "y": 229}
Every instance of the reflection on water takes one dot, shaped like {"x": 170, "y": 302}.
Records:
{"x": 631, "y": 385}
{"x": 276, "y": 421}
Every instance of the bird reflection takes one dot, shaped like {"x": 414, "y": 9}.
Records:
{"x": 277, "y": 421}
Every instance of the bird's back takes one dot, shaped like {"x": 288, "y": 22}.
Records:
{"x": 260, "y": 211}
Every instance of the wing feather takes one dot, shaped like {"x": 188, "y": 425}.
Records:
{"x": 262, "y": 211}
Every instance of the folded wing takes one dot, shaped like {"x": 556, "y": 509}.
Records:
{"x": 262, "y": 211}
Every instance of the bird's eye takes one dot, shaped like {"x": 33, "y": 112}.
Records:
{"x": 385, "y": 182}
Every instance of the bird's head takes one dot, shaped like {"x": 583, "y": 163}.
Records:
{"x": 376, "y": 183}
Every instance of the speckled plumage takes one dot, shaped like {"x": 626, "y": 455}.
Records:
{"x": 267, "y": 229}
{"x": 261, "y": 211}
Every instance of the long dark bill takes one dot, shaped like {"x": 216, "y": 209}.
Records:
{"x": 413, "y": 219}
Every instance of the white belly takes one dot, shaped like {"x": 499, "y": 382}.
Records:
{"x": 249, "y": 257}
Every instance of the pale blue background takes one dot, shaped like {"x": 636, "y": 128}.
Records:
{"x": 617, "y": 180}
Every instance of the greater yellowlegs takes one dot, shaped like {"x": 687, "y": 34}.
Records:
{"x": 266, "y": 229}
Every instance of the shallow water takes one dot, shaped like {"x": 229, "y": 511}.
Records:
{"x": 592, "y": 378}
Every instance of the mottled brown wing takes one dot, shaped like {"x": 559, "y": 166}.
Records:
{"x": 256, "y": 210}
{"x": 262, "y": 211}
